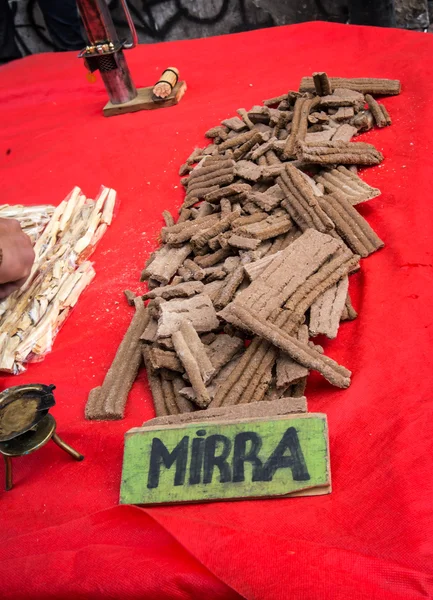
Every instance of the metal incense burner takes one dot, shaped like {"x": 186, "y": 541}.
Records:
{"x": 26, "y": 425}
{"x": 105, "y": 54}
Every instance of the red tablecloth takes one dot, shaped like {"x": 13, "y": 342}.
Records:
{"x": 62, "y": 533}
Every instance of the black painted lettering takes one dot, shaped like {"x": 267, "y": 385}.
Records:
{"x": 241, "y": 455}
{"x": 211, "y": 460}
{"x": 159, "y": 456}
{"x": 196, "y": 464}
{"x": 295, "y": 461}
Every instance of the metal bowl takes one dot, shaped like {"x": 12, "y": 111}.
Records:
{"x": 22, "y": 407}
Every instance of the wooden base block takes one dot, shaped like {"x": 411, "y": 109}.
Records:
{"x": 145, "y": 101}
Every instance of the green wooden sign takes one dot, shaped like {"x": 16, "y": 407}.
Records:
{"x": 223, "y": 460}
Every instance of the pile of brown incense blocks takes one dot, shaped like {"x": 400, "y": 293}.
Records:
{"x": 259, "y": 259}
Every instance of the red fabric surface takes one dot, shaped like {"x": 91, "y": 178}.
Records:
{"x": 62, "y": 533}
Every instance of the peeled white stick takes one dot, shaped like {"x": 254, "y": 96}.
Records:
{"x": 43, "y": 240}
{"x": 83, "y": 242}
{"x": 68, "y": 286}
{"x": 70, "y": 206}
{"x": 7, "y": 358}
{"x": 3, "y": 342}
{"x": 25, "y": 322}
{"x": 43, "y": 302}
{"x": 99, "y": 233}
{"x": 107, "y": 213}
{"x": 59, "y": 265}
{"x": 18, "y": 211}
{"x": 95, "y": 219}
{"x": 86, "y": 276}
{"x": 81, "y": 201}
{"x": 26, "y": 346}
{"x": 44, "y": 344}
{"x": 93, "y": 222}
{"x": 101, "y": 198}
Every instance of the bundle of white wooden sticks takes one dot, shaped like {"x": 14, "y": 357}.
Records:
{"x": 63, "y": 237}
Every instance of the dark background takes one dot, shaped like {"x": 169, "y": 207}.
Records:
{"x": 161, "y": 20}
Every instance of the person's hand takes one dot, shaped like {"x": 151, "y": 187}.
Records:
{"x": 17, "y": 257}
